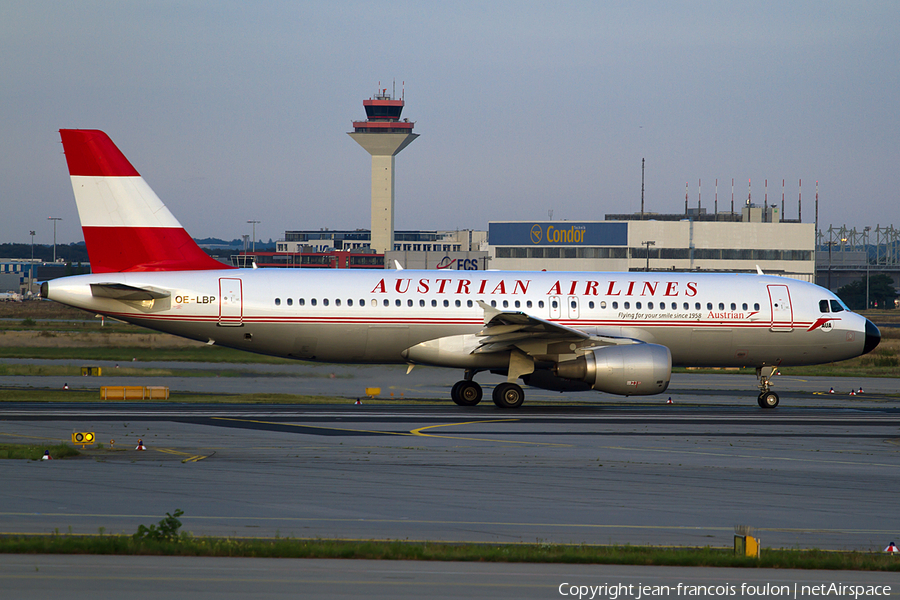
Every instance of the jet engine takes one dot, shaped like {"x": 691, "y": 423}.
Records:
{"x": 628, "y": 370}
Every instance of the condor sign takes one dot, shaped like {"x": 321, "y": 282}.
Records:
{"x": 558, "y": 233}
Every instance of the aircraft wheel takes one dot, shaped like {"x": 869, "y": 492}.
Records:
{"x": 508, "y": 395}
{"x": 768, "y": 400}
{"x": 466, "y": 393}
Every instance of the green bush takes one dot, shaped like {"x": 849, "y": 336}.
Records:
{"x": 166, "y": 531}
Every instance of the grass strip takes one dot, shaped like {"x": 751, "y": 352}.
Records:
{"x": 36, "y": 451}
{"x": 127, "y": 354}
{"x": 187, "y": 545}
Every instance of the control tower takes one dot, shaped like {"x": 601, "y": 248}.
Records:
{"x": 383, "y": 135}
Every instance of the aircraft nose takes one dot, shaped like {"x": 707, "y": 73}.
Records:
{"x": 873, "y": 337}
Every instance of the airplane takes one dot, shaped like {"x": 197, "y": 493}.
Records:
{"x": 615, "y": 332}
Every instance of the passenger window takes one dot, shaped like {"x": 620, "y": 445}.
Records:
{"x": 325, "y": 302}
{"x": 756, "y": 306}
{"x": 615, "y": 305}
{"x": 337, "y": 302}
{"x": 744, "y": 306}
{"x": 650, "y": 305}
{"x": 836, "y": 306}
{"x": 301, "y": 302}
{"x": 363, "y": 302}
{"x": 540, "y": 304}
{"x": 554, "y": 304}
{"x": 493, "y": 303}
{"x": 434, "y": 303}
{"x": 409, "y": 302}
{"x": 469, "y": 303}
{"x": 422, "y": 303}
{"x": 603, "y": 304}
{"x": 696, "y": 306}
{"x": 574, "y": 304}
{"x": 637, "y": 305}
{"x": 591, "y": 304}
{"x": 733, "y": 306}
{"x": 721, "y": 306}
{"x": 518, "y": 304}
{"x": 506, "y": 304}
{"x": 350, "y": 302}
{"x": 386, "y": 302}
{"x": 528, "y": 304}
{"x": 823, "y": 306}
{"x": 397, "y": 302}
{"x": 709, "y": 306}
{"x": 277, "y": 301}
{"x": 627, "y": 305}
{"x": 686, "y": 306}
{"x": 313, "y": 302}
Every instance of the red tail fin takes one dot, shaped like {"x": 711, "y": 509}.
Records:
{"x": 126, "y": 226}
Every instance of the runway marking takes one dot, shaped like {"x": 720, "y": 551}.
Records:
{"x": 310, "y": 426}
{"x": 836, "y": 462}
{"x": 464, "y": 523}
{"x": 190, "y": 457}
{"x": 33, "y": 437}
{"x": 419, "y": 431}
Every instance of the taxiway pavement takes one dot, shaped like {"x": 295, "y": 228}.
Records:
{"x": 821, "y": 474}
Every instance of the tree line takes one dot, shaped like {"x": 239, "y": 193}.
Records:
{"x": 881, "y": 293}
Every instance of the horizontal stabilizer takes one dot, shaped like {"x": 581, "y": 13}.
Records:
{"x": 120, "y": 291}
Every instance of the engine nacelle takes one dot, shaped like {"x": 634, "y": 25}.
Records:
{"x": 628, "y": 370}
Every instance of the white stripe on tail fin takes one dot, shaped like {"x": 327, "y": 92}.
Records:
{"x": 126, "y": 226}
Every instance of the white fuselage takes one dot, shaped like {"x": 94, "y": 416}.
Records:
{"x": 374, "y": 316}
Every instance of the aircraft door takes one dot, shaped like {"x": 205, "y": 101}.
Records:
{"x": 231, "y": 303}
{"x": 573, "y": 306}
{"x": 780, "y": 304}
{"x": 555, "y": 306}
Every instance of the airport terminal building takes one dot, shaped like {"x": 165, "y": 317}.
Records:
{"x": 656, "y": 243}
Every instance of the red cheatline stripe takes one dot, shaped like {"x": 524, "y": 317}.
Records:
{"x": 433, "y": 321}
{"x": 91, "y": 152}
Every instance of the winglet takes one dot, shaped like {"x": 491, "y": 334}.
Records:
{"x": 489, "y": 311}
{"x": 397, "y": 265}
{"x": 759, "y": 271}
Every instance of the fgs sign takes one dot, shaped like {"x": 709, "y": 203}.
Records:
{"x": 459, "y": 264}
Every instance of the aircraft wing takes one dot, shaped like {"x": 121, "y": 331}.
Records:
{"x": 505, "y": 331}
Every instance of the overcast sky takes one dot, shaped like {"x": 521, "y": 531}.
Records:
{"x": 235, "y": 111}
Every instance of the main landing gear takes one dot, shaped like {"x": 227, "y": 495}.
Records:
{"x": 466, "y": 393}
{"x": 469, "y": 393}
{"x": 767, "y": 398}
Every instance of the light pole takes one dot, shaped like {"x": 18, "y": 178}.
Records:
{"x": 866, "y": 231}
{"x": 648, "y": 244}
{"x": 54, "y": 219}
{"x": 31, "y": 265}
{"x": 254, "y": 234}
{"x": 830, "y": 244}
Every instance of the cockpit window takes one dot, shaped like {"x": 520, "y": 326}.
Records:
{"x": 836, "y": 306}
{"x": 823, "y": 306}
